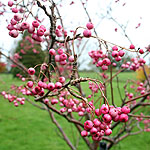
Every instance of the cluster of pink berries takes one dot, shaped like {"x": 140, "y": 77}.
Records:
{"x": 17, "y": 24}
{"x": 94, "y": 87}
{"x": 87, "y": 32}
{"x": 134, "y": 64}
{"x": 146, "y": 125}
{"x": 39, "y": 88}
{"x": 117, "y": 54}
{"x": 141, "y": 88}
{"x": 12, "y": 98}
{"x": 104, "y": 61}
{"x": 101, "y": 126}
{"x": 14, "y": 9}
{"x": 60, "y": 31}
{"x": 70, "y": 104}
{"x": 61, "y": 57}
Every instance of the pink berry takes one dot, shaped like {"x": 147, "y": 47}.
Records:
{"x": 113, "y": 112}
{"x": 10, "y": 3}
{"x": 64, "y": 62}
{"x": 58, "y": 85}
{"x": 118, "y": 58}
{"x": 51, "y": 86}
{"x": 44, "y": 85}
{"x": 10, "y": 27}
{"x": 22, "y": 102}
{"x": 142, "y": 92}
{"x": 40, "y": 32}
{"x": 62, "y": 110}
{"x": 81, "y": 113}
{"x": 63, "y": 57}
{"x": 100, "y": 63}
{"x": 18, "y": 27}
{"x": 46, "y": 100}
{"x": 97, "y": 112}
{"x": 115, "y": 48}
{"x": 17, "y": 17}
{"x": 31, "y": 71}
{"x": 60, "y": 51}
{"x": 132, "y": 46}
{"x": 16, "y": 104}
{"x": 114, "y": 53}
{"x": 106, "y": 61}
{"x": 71, "y": 58}
{"x": 104, "y": 109}
{"x": 62, "y": 80}
{"x": 14, "y": 10}
{"x": 36, "y": 37}
{"x": 13, "y": 21}
{"x": 87, "y": 33}
{"x": 38, "y": 89}
{"x": 41, "y": 93}
{"x": 104, "y": 67}
{"x": 52, "y": 52}
{"x": 123, "y": 118}
{"x": 43, "y": 27}
{"x": 13, "y": 33}
{"x": 88, "y": 124}
{"x": 30, "y": 84}
{"x": 116, "y": 119}
{"x": 107, "y": 118}
{"x": 89, "y": 25}
{"x": 114, "y": 64}
{"x": 96, "y": 122}
{"x": 130, "y": 95}
{"x": 54, "y": 101}
{"x": 40, "y": 84}
{"x": 57, "y": 58}
{"x": 108, "y": 131}
{"x": 93, "y": 130}
{"x": 125, "y": 109}
{"x": 121, "y": 53}
{"x": 141, "y": 51}
{"x": 84, "y": 133}
{"x": 24, "y": 25}
{"x": 35, "y": 23}
{"x": 59, "y": 27}
{"x": 31, "y": 29}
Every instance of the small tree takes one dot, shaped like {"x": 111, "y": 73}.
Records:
{"x": 29, "y": 53}
{"x": 98, "y": 113}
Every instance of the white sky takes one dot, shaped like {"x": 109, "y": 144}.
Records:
{"x": 74, "y": 16}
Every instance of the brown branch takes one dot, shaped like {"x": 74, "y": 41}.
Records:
{"x": 111, "y": 85}
{"x": 90, "y": 20}
{"x": 21, "y": 66}
{"x": 61, "y": 130}
{"x": 43, "y": 108}
{"x": 84, "y": 138}
{"x": 119, "y": 88}
{"x": 135, "y": 98}
{"x": 114, "y": 75}
{"x": 138, "y": 116}
{"x": 64, "y": 115}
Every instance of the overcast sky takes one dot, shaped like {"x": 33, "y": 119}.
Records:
{"x": 133, "y": 12}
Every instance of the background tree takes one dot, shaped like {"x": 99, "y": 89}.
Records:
{"x": 29, "y": 53}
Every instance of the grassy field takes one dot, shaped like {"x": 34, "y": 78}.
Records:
{"x": 29, "y": 128}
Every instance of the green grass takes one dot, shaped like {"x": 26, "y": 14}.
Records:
{"x": 27, "y": 127}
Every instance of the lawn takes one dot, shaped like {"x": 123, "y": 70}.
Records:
{"x": 29, "y": 128}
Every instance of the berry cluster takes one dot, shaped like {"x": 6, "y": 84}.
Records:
{"x": 61, "y": 57}
{"x": 101, "y": 126}
{"x": 87, "y": 32}
{"x": 12, "y": 98}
